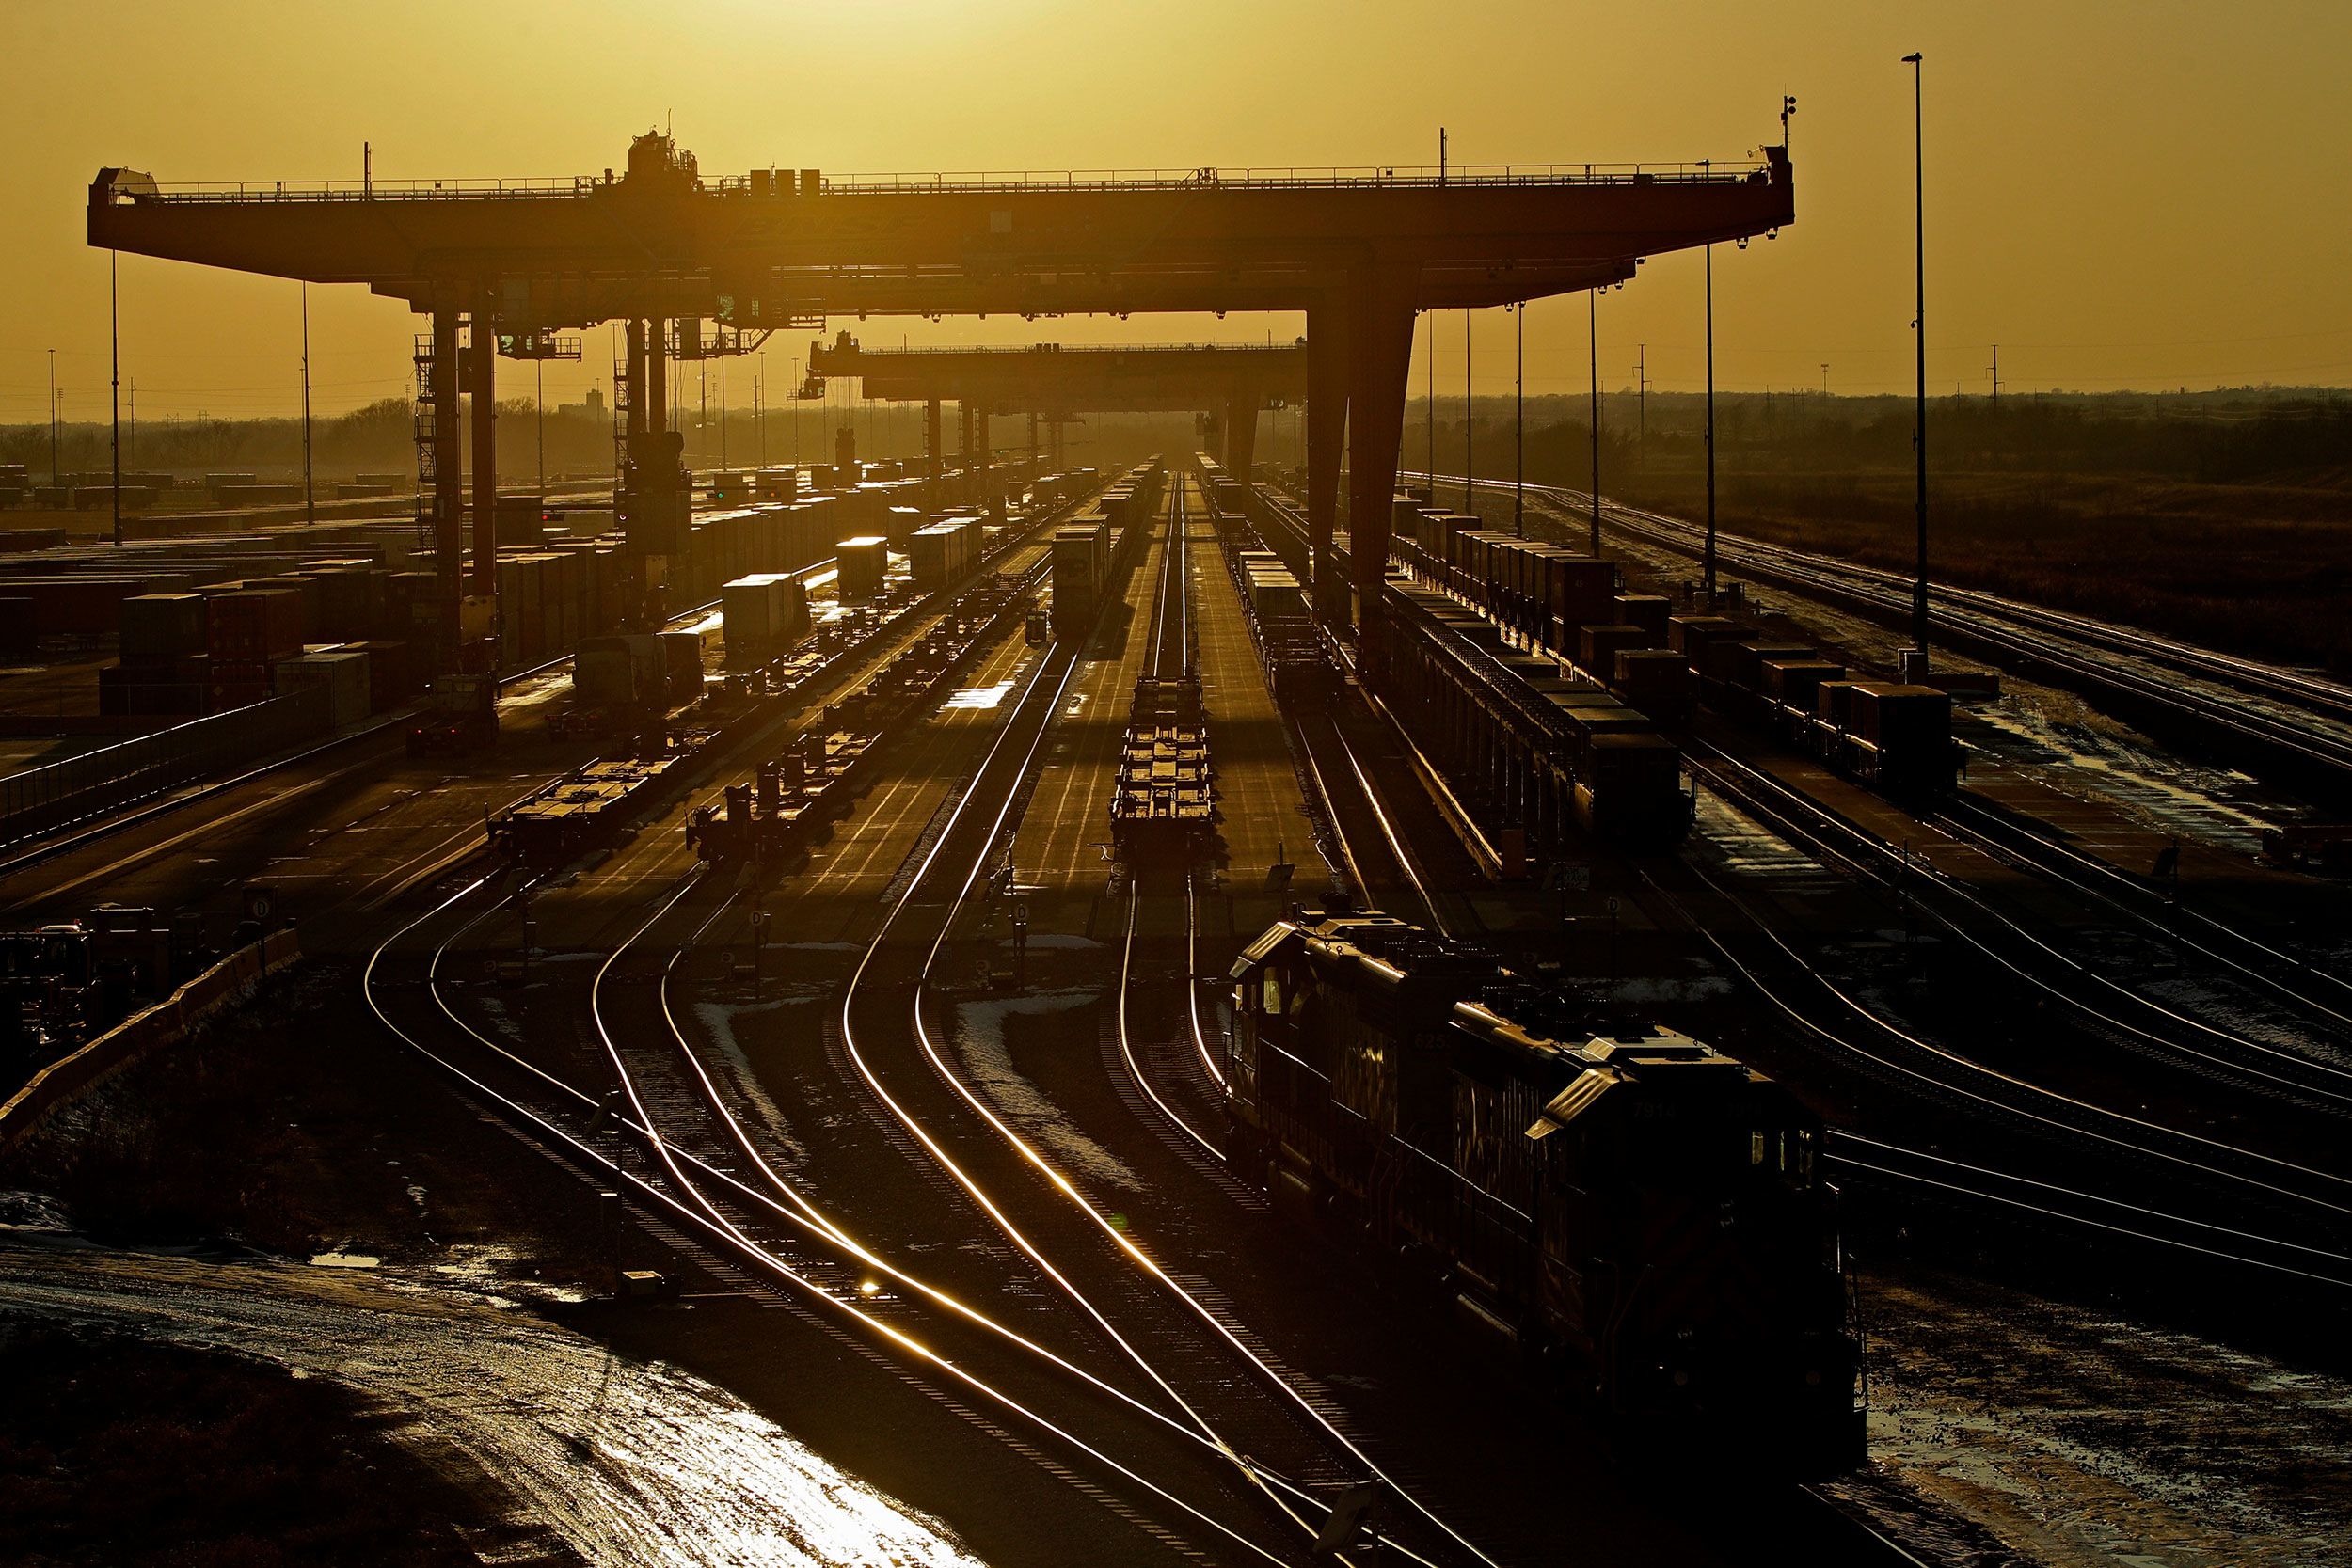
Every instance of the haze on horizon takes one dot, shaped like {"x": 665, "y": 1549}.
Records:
{"x": 2122, "y": 196}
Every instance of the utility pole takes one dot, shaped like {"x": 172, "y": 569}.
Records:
{"x": 539, "y": 414}
{"x": 1591, "y": 343}
{"x": 1919, "y": 330}
{"x": 133, "y": 419}
{"x": 1641, "y": 395}
{"x": 114, "y": 341}
{"x": 722, "y": 413}
{"x": 1997, "y": 378}
{"x": 1825, "y": 381}
{"x": 52, "y": 419}
{"x": 1708, "y": 574}
{"x": 310, "y": 500}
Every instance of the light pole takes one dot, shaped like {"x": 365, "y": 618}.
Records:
{"x": 1919, "y": 331}
{"x": 1433, "y": 391}
{"x": 1591, "y": 343}
{"x": 1519, "y": 427}
{"x": 113, "y": 343}
{"x": 52, "y": 419}
{"x": 309, "y": 503}
{"x": 1707, "y": 572}
{"x": 1470, "y": 502}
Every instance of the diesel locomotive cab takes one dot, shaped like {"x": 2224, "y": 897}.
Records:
{"x": 1639, "y": 1213}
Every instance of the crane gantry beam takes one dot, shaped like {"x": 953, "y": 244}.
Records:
{"x": 1360, "y": 252}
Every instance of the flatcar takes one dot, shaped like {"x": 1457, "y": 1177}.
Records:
{"x": 1639, "y": 1215}
{"x": 1164, "y": 799}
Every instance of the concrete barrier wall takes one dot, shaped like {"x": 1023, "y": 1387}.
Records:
{"x": 166, "y": 1023}
{"x": 40, "y": 800}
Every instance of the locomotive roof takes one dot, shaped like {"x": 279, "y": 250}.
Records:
{"x": 1656, "y": 1050}
{"x": 1375, "y": 948}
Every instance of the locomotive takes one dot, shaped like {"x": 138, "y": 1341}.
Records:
{"x": 1642, "y": 1215}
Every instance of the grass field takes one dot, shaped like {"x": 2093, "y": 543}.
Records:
{"x": 2259, "y": 569}
{"x": 2223, "y": 519}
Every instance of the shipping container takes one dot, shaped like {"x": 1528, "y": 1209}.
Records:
{"x": 621, "y": 672}
{"x": 343, "y": 673}
{"x": 158, "y": 626}
{"x": 861, "y": 563}
{"x": 1598, "y": 647}
{"x": 252, "y": 626}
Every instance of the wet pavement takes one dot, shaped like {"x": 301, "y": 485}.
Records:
{"x": 621, "y": 1462}
{"x": 2076, "y": 1436}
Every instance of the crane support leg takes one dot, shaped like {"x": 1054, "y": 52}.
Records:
{"x": 1379, "y": 355}
{"x": 449, "y": 478}
{"x": 1241, "y": 434}
{"x": 483, "y": 364}
{"x": 1326, "y": 438}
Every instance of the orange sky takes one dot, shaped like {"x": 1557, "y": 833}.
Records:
{"x": 2122, "y": 194}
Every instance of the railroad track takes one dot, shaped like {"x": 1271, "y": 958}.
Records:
{"x": 2303, "y": 731}
{"x": 2162, "y": 1033}
{"x": 1813, "y": 1504}
{"x": 771, "y": 1233}
{"x": 686, "y": 1198}
{"x": 771, "y": 1230}
{"x": 2325, "y": 995}
{"x": 1177, "y": 1343}
{"x": 1815, "y": 830}
{"x": 1923, "y": 1070}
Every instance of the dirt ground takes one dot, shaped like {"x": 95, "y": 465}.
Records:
{"x": 296, "y": 1128}
{"x": 115, "y": 1451}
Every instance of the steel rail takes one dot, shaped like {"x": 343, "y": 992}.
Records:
{"x": 803, "y": 1215}
{"x": 731, "y": 1238}
{"x": 2048, "y": 1123}
{"x": 1009, "y": 797}
{"x": 1883, "y": 1150}
{"x": 2317, "y": 747}
{"x": 1165, "y": 633}
{"x": 2073, "y": 868}
{"x": 2254, "y": 1077}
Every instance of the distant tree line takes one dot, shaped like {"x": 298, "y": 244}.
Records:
{"x": 2262, "y": 435}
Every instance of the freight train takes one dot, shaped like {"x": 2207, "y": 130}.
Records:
{"x": 1642, "y": 1217}
{"x": 1595, "y": 758}
{"x": 1894, "y": 737}
{"x": 1617, "y": 777}
{"x": 1297, "y": 660}
{"x": 1092, "y": 548}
